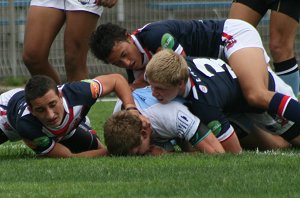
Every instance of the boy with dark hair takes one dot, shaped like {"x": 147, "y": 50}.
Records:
{"x": 51, "y": 120}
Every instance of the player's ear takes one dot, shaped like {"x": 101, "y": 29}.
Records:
{"x": 182, "y": 84}
{"x": 128, "y": 37}
{"x": 145, "y": 134}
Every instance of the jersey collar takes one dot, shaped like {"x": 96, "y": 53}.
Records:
{"x": 147, "y": 55}
{"x": 188, "y": 87}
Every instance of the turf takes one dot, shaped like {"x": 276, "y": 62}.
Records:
{"x": 250, "y": 174}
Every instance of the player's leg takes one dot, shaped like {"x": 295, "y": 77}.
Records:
{"x": 251, "y": 69}
{"x": 43, "y": 24}
{"x": 243, "y": 9}
{"x": 283, "y": 30}
{"x": 79, "y": 26}
{"x": 232, "y": 144}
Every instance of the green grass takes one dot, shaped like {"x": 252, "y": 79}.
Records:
{"x": 250, "y": 174}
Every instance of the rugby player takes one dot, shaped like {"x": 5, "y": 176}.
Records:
{"x": 51, "y": 120}
{"x": 235, "y": 41}
{"x": 212, "y": 90}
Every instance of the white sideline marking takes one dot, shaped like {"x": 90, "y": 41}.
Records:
{"x": 107, "y": 99}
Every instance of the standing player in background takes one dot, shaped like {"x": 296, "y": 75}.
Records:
{"x": 284, "y": 22}
{"x": 44, "y": 21}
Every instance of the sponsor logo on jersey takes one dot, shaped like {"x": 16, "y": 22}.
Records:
{"x": 215, "y": 126}
{"x": 203, "y": 88}
{"x": 41, "y": 141}
{"x": 229, "y": 40}
{"x": 94, "y": 87}
{"x": 167, "y": 41}
{"x": 184, "y": 123}
{"x": 84, "y": 2}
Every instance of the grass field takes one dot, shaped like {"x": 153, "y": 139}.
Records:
{"x": 250, "y": 174}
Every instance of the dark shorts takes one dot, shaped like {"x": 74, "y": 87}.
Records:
{"x": 84, "y": 139}
{"x": 288, "y": 7}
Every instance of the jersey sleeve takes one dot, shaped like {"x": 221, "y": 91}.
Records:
{"x": 154, "y": 35}
{"x": 83, "y": 92}
{"x": 31, "y": 133}
{"x": 214, "y": 118}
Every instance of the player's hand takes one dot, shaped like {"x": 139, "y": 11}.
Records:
{"x": 156, "y": 150}
{"x": 106, "y": 3}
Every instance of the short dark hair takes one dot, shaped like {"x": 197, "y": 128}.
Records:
{"x": 103, "y": 39}
{"x": 37, "y": 86}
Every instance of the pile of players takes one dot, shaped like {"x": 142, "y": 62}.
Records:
{"x": 204, "y": 85}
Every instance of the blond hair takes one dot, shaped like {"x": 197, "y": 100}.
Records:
{"x": 122, "y": 132}
{"x": 167, "y": 67}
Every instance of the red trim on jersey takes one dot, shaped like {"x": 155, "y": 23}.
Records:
{"x": 282, "y": 105}
{"x": 63, "y": 130}
{"x": 148, "y": 53}
{"x": 2, "y": 113}
{"x": 228, "y": 137}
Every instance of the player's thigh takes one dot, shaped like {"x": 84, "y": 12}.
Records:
{"x": 43, "y": 24}
{"x": 79, "y": 26}
{"x": 243, "y": 12}
{"x": 251, "y": 69}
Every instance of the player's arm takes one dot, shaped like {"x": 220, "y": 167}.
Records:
{"x": 157, "y": 150}
{"x": 118, "y": 84}
{"x": 61, "y": 151}
{"x": 205, "y": 141}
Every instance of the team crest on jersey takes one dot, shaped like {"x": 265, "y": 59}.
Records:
{"x": 183, "y": 123}
{"x": 203, "y": 88}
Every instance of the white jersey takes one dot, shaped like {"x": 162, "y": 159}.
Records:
{"x": 169, "y": 121}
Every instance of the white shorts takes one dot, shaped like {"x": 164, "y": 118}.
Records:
{"x": 11, "y": 134}
{"x": 70, "y": 5}
{"x": 248, "y": 121}
{"x": 239, "y": 34}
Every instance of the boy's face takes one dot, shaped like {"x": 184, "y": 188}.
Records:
{"x": 125, "y": 54}
{"x": 48, "y": 109}
{"x": 144, "y": 147}
{"x": 164, "y": 93}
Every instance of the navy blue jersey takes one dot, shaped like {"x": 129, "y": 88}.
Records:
{"x": 78, "y": 98}
{"x": 197, "y": 37}
{"x": 214, "y": 91}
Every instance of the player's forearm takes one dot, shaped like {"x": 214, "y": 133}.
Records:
{"x": 60, "y": 151}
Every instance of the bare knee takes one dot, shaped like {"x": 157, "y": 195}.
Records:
{"x": 33, "y": 58}
{"x": 258, "y": 98}
{"x": 281, "y": 51}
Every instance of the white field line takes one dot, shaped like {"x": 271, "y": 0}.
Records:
{"x": 108, "y": 99}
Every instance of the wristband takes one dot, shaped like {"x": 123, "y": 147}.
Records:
{"x": 131, "y": 108}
